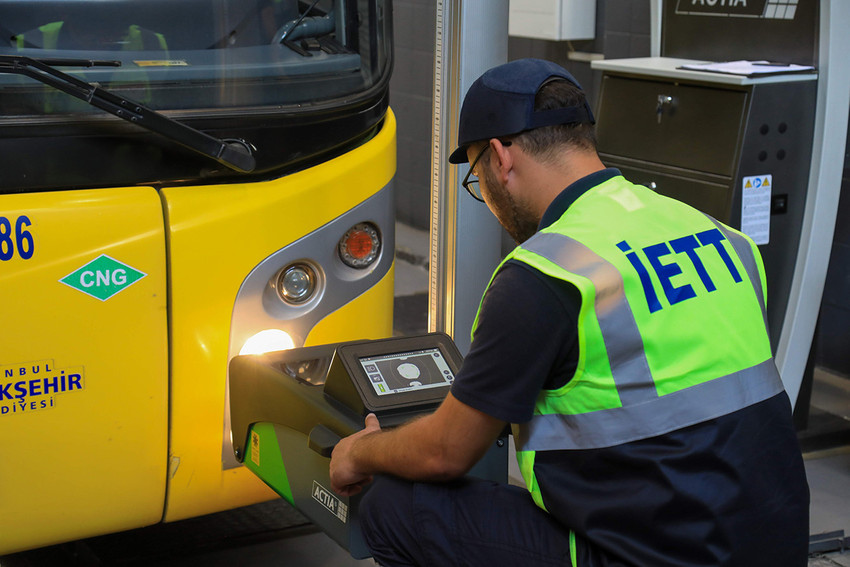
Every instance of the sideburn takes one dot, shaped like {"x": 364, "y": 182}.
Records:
{"x": 518, "y": 220}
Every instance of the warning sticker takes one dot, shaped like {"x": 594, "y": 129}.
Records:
{"x": 755, "y": 207}
{"x": 255, "y": 448}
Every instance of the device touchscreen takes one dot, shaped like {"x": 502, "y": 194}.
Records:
{"x": 406, "y": 371}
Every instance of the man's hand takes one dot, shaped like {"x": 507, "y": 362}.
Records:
{"x": 346, "y": 479}
{"x": 435, "y": 447}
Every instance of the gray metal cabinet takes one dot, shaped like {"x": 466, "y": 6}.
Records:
{"x": 700, "y": 137}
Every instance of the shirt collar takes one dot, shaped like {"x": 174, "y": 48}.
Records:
{"x": 575, "y": 190}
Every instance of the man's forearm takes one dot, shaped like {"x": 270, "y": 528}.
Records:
{"x": 439, "y": 446}
{"x": 414, "y": 451}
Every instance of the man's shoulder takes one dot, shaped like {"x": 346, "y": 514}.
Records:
{"x": 516, "y": 276}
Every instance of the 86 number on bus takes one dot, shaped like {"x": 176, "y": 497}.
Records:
{"x": 18, "y": 239}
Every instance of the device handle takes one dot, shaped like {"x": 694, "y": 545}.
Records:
{"x": 322, "y": 440}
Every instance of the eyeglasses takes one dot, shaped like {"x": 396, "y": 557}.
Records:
{"x": 472, "y": 186}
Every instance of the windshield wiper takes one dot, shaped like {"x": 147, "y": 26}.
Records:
{"x": 233, "y": 153}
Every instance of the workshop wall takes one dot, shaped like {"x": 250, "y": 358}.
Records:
{"x": 834, "y": 323}
{"x": 411, "y": 96}
{"x": 622, "y": 30}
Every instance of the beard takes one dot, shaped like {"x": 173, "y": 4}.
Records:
{"x": 513, "y": 215}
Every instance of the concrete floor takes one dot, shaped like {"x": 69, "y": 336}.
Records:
{"x": 272, "y": 534}
{"x": 308, "y": 550}
{"x": 829, "y": 482}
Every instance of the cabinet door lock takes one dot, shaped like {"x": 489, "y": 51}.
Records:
{"x": 664, "y": 101}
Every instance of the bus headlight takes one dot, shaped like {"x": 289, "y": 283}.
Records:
{"x": 268, "y": 340}
{"x": 297, "y": 283}
{"x": 360, "y": 245}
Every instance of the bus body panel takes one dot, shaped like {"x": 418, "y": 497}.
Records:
{"x": 216, "y": 236}
{"x": 83, "y": 364}
{"x": 365, "y": 318}
{"x": 140, "y": 251}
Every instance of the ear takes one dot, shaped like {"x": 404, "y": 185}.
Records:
{"x": 502, "y": 159}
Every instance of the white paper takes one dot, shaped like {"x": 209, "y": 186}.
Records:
{"x": 748, "y": 68}
{"x": 755, "y": 207}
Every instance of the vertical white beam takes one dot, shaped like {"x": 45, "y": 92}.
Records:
{"x": 822, "y": 201}
{"x": 655, "y": 18}
{"x": 472, "y": 36}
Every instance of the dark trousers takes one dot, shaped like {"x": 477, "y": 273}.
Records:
{"x": 465, "y": 523}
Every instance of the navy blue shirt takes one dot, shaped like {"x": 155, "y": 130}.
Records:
{"x": 730, "y": 491}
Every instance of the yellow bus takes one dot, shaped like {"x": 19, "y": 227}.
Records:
{"x": 182, "y": 181}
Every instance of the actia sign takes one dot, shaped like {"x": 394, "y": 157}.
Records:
{"x": 770, "y": 9}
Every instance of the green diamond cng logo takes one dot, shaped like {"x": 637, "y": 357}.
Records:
{"x": 103, "y": 277}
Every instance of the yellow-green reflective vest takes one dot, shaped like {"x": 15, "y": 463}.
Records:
{"x": 672, "y": 329}
{"x": 135, "y": 39}
{"x": 49, "y": 36}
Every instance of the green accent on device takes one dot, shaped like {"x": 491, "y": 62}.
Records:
{"x": 263, "y": 458}
{"x": 289, "y": 409}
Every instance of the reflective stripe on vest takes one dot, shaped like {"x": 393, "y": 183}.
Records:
{"x": 657, "y": 416}
{"x": 643, "y": 413}
{"x": 619, "y": 329}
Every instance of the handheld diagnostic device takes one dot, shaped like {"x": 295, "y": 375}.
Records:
{"x": 290, "y": 408}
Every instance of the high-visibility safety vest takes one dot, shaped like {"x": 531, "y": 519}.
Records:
{"x": 672, "y": 329}
{"x": 48, "y": 36}
{"x": 136, "y": 38}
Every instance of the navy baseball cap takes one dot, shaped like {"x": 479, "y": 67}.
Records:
{"x": 501, "y": 102}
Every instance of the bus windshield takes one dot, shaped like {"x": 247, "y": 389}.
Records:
{"x": 203, "y": 53}
{"x": 191, "y": 54}
{"x": 294, "y": 82}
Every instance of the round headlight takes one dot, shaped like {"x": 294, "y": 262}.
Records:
{"x": 267, "y": 341}
{"x": 360, "y": 245}
{"x": 297, "y": 283}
